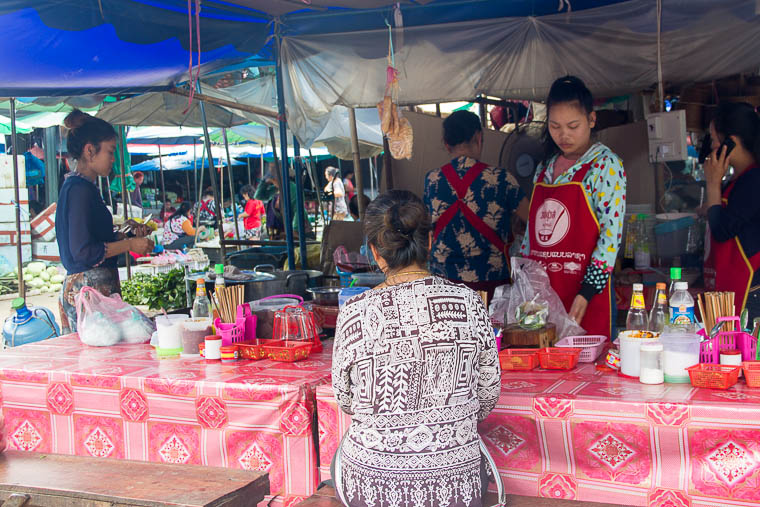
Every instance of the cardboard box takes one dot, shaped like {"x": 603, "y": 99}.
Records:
{"x": 43, "y": 225}
{"x": 7, "y": 206}
{"x": 45, "y": 251}
{"x": 9, "y": 235}
{"x": 6, "y": 171}
{"x": 8, "y": 254}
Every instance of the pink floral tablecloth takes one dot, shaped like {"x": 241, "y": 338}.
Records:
{"x": 61, "y": 396}
{"x": 594, "y": 436}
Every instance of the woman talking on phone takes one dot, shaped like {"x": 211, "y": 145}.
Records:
{"x": 577, "y": 208}
{"x": 732, "y": 251}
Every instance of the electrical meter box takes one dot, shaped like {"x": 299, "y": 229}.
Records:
{"x": 667, "y": 136}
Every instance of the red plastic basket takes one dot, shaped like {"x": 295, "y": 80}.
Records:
{"x": 518, "y": 359}
{"x": 751, "y": 373}
{"x": 591, "y": 346}
{"x": 252, "y": 350}
{"x": 288, "y": 351}
{"x": 713, "y": 376}
{"x": 553, "y": 358}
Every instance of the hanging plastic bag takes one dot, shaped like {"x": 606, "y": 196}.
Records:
{"x": 530, "y": 283}
{"x": 107, "y": 320}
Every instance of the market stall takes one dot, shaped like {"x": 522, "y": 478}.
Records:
{"x": 591, "y": 436}
{"x": 61, "y": 396}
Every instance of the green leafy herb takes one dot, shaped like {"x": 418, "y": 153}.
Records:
{"x": 165, "y": 290}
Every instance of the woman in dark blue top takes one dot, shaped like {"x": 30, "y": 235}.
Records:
{"x": 88, "y": 243}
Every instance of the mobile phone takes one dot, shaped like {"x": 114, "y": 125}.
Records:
{"x": 729, "y": 144}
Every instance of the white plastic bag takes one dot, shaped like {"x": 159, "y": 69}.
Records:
{"x": 529, "y": 281}
{"x": 104, "y": 321}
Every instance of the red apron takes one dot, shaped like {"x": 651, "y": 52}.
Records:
{"x": 563, "y": 232}
{"x": 727, "y": 267}
{"x": 461, "y": 186}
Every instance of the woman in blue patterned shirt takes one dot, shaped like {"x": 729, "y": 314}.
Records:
{"x": 471, "y": 205}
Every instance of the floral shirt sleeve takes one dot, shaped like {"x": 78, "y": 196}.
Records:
{"x": 605, "y": 185}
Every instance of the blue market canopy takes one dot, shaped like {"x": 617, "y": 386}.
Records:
{"x": 180, "y": 163}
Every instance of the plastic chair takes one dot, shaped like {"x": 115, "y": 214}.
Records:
{"x": 336, "y": 471}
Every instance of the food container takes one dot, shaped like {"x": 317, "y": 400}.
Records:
{"x": 612, "y": 361}
{"x": 282, "y": 350}
{"x": 202, "y": 349}
{"x": 264, "y": 309}
{"x": 630, "y": 350}
{"x": 713, "y": 376}
{"x": 552, "y": 358}
{"x": 731, "y": 357}
{"x": 213, "y": 349}
{"x": 229, "y": 353}
{"x": 591, "y": 346}
{"x": 252, "y": 350}
{"x": 169, "y": 332}
{"x": 369, "y": 279}
{"x": 518, "y": 359}
{"x": 651, "y": 371}
{"x": 194, "y": 332}
{"x": 680, "y": 350}
{"x": 324, "y": 295}
{"x": 751, "y": 373}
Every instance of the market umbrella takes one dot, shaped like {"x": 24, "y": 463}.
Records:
{"x": 183, "y": 162}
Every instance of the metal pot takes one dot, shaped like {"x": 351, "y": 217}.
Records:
{"x": 302, "y": 278}
{"x": 325, "y": 296}
{"x": 260, "y": 285}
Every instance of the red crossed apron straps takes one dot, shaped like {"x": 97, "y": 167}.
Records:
{"x": 461, "y": 186}
{"x": 204, "y": 206}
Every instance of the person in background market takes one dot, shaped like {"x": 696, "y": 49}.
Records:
{"x": 207, "y": 207}
{"x": 348, "y": 184}
{"x": 178, "y": 229}
{"x": 85, "y": 233}
{"x": 732, "y": 252}
{"x": 353, "y": 205}
{"x": 415, "y": 365}
{"x": 254, "y": 210}
{"x": 577, "y": 208}
{"x": 268, "y": 192}
{"x": 471, "y": 205}
{"x": 334, "y": 188}
{"x": 135, "y": 196}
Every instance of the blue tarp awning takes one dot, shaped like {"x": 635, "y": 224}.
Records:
{"x": 180, "y": 163}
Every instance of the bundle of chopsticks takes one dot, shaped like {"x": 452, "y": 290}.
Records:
{"x": 226, "y": 300}
{"x": 716, "y": 305}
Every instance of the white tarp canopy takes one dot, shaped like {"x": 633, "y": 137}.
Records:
{"x": 612, "y": 48}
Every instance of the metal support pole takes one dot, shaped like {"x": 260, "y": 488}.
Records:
{"x": 300, "y": 204}
{"x": 310, "y": 171}
{"x": 357, "y": 161}
{"x": 16, "y": 198}
{"x": 195, "y": 171}
{"x": 124, "y": 195}
{"x": 163, "y": 185}
{"x": 232, "y": 189}
{"x": 199, "y": 189}
{"x": 212, "y": 171}
{"x": 387, "y": 165}
{"x": 250, "y": 177}
{"x": 285, "y": 201}
{"x": 51, "y": 165}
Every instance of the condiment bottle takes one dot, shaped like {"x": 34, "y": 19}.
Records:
{"x": 731, "y": 357}
{"x": 201, "y": 305}
{"x": 637, "y": 314}
{"x": 675, "y": 277}
{"x": 660, "y": 313}
{"x": 682, "y": 305}
{"x": 219, "y": 270}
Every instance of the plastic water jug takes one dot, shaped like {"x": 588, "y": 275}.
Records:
{"x": 28, "y": 324}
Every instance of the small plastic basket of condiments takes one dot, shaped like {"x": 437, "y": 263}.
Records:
{"x": 518, "y": 359}
{"x": 713, "y": 376}
{"x": 558, "y": 358}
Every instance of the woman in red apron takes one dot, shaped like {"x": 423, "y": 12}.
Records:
{"x": 471, "y": 206}
{"x": 577, "y": 208}
{"x": 732, "y": 249}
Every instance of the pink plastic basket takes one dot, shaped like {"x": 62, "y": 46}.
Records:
{"x": 709, "y": 351}
{"x": 591, "y": 346}
{"x": 244, "y": 328}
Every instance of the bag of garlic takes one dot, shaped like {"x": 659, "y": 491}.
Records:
{"x": 104, "y": 321}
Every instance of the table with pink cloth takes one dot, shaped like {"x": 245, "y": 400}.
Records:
{"x": 594, "y": 436}
{"x": 60, "y": 396}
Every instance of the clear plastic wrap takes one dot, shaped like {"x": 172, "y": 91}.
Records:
{"x": 103, "y": 321}
{"x": 530, "y": 283}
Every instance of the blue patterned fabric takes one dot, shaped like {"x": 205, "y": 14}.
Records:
{"x": 460, "y": 252}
